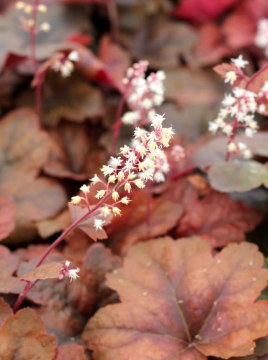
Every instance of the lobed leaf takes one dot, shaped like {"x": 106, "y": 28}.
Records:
{"x": 5, "y": 311}
{"x": 22, "y": 336}
{"x": 71, "y": 352}
{"x": 180, "y": 302}
{"x": 7, "y": 213}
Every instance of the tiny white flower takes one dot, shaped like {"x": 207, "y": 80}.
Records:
{"x": 42, "y": 8}
{"x": 95, "y": 179}
{"x": 239, "y": 62}
{"x": 249, "y": 132}
{"x": 247, "y": 154}
{"x": 159, "y": 177}
{"x": 73, "y": 56}
{"x": 227, "y": 129}
{"x": 100, "y": 194}
{"x": 230, "y": 77}
{"x": 131, "y": 117}
{"x": 85, "y": 189}
{"x": 107, "y": 170}
{"x": 105, "y": 211}
{"x": 45, "y": 26}
{"x": 232, "y": 147}
{"x": 76, "y": 200}
{"x": 213, "y": 127}
{"x": 115, "y": 162}
{"x": 73, "y": 274}
{"x": 157, "y": 120}
{"x": 261, "y": 109}
{"x": 228, "y": 100}
{"x": 98, "y": 224}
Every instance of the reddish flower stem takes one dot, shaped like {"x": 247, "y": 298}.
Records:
{"x": 28, "y": 285}
{"x": 231, "y": 138}
{"x": 118, "y": 124}
{"x": 22, "y": 296}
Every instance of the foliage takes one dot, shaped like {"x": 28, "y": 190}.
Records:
{"x": 160, "y": 251}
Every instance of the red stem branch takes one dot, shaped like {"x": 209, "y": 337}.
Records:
{"x": 28, "y": 285}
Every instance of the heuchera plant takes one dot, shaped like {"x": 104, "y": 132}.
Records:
{"x": 175, "y": 278}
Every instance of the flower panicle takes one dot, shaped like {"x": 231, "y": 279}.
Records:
{"x": 238, "y": 110}
{"x": 143, "y": 94}
{"x": 144, "y": 160}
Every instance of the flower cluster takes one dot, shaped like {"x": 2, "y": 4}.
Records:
{"x": 238, "y": 110}
{"x": 28, "y": 9}
{"x": 66, "y": 64}
{"x": 144, "y": 160}
{"x": 261, "y": 39}
{"x": 71, "y": 273}
{"x": 142, "y": 93}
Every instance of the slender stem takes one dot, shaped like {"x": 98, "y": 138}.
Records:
{"x": 114, "y": 20}
{"x": 231, "y": 138}
{"x": 22, "y": 296}
{"x": 118, "y": 123}
{"x": 28, "y": 285}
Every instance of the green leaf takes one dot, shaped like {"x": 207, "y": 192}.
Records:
{"x": 238, "y": 176}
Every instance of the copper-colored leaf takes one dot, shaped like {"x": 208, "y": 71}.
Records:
{"x": 137, "y": 224}
{"x": 14, "y": 39}
{"x": 43, "y": 272}
{"x": 42, "y": 199}
{"x": 7, "y": 213}
{"x": 87, "y": 226}
{"x": 161, "y": 42}
{"x": 115, "y": 59}
{"x": 71, "y": 352}
{"x": 192, "y": 86}
{"x": 76, "y": 100}
{"x": 5, "y": 311}
{"x": 54, "y": 225}
{"x": 180, "y": 302}
{"x": 23, "y": 148}
{"x": 8, "y": 266}
{"x": 22, "y": 336}
{"x": 63, "y": 306}
{"x": 214, "y": 216}
{"x": 75, "y": 151}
